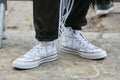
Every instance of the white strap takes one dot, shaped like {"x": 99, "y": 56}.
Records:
{"x": 65, "y": 9}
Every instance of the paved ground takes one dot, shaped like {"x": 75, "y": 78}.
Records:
{"x": 103, "y": 32}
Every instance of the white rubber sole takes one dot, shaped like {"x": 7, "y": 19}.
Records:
{"x": 83, "y": 54}
{"x": 29, "y": 65}
{"x": 103, "y": 12}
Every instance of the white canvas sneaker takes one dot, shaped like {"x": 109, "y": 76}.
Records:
{"x": 40, "y": 53}
{"x": 75, "y": 43}
{"x": 104, "y": 9}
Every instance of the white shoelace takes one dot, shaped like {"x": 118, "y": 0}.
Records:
{"x": 85, "y": 43}
{"x": 35, "y": 50}
{"x": 64, "y": 11}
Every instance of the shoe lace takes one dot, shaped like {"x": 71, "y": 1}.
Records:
{"x": 84, "y": 42}
{"x": 36, "y": 50}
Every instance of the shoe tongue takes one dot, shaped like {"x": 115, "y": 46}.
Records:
{"x": 78, "y": 34}
{"x": 68, "y": 29}
{"x": 77, "y": 31}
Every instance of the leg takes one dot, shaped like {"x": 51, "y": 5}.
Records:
{"x": 77, "y": 17}
{"x": 46, "y": 14}
{"x": 2, "y": 16}
{"x": 46, "y": 24}
{"x": 74, "y": 41}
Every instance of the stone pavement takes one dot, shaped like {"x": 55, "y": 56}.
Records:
{"x": 103, "y": 32}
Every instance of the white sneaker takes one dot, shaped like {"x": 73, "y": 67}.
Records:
{"x": 103, "y": 12}
{"x": 40, "y": 53}
{"x": 75, "y": 43}
{"x": 104, "y": 9}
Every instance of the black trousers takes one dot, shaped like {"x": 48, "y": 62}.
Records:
{"x": 46, "y": 17}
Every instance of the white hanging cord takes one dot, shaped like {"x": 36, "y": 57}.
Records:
{"x": 68, "y": 10}
{"x": 65, "y": 9}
